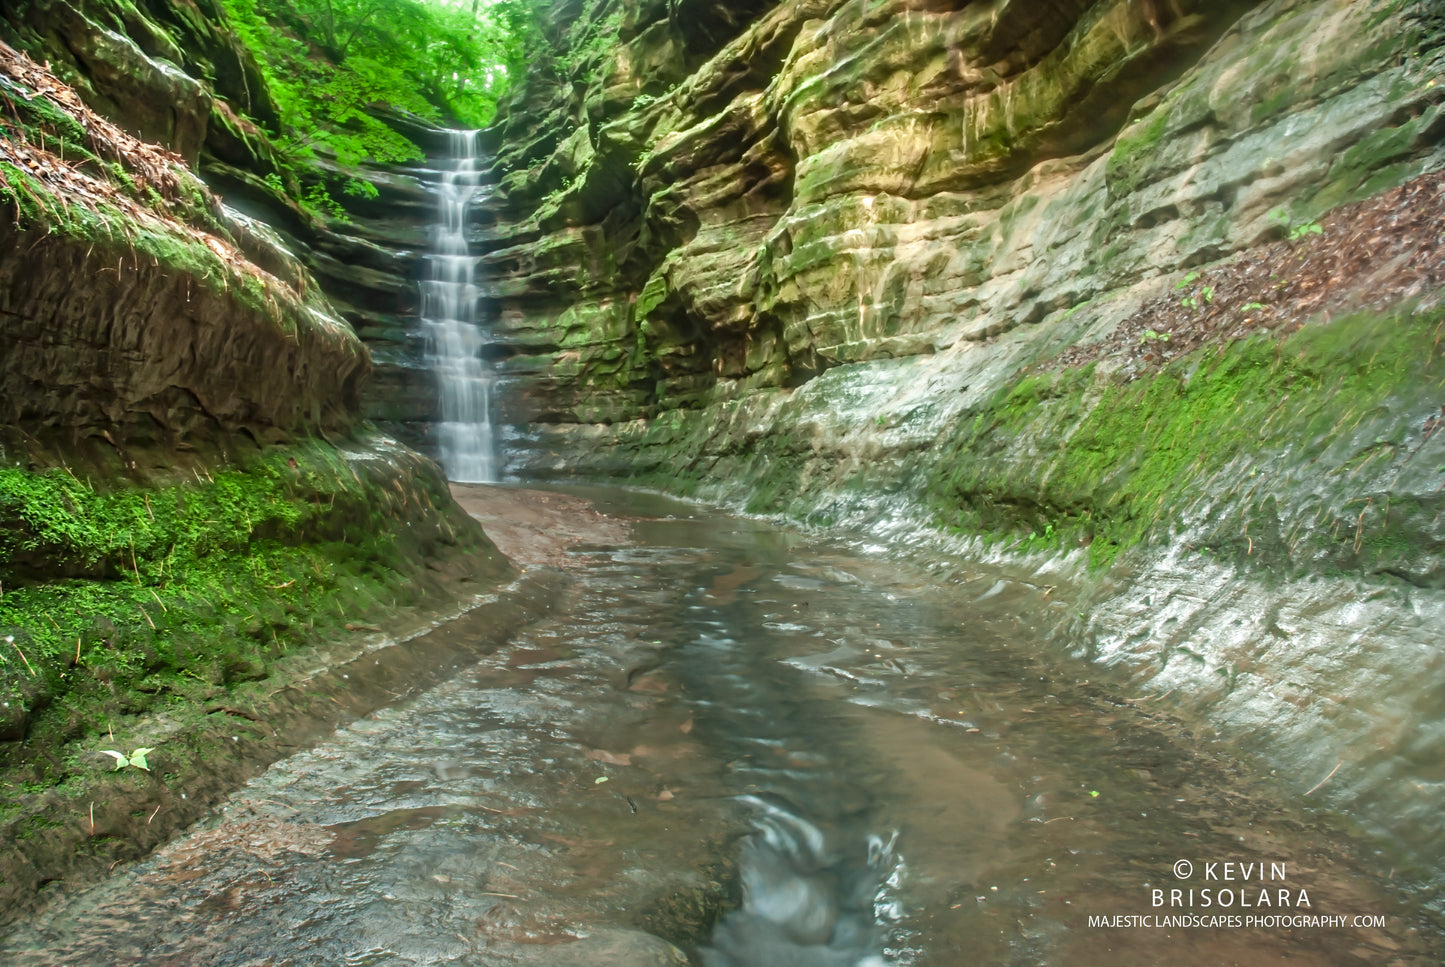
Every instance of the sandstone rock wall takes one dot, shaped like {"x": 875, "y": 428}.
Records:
{"x": 843, "y": 182}
{"x": 133, "y": 310}
{"x": 174, "y": 74}
{"x": 1070, "y": 284}
{"x": 188, "y": 489}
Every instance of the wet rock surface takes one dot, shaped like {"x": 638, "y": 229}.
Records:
{"x": 537, "y": 527}
{"x": 878, "y": 743}
{"x": 202, "y": 753}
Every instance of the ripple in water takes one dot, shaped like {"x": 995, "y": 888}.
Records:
{"x": 805, "y": 904}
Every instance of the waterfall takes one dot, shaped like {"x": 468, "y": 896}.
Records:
{"x": 451, "y": 324}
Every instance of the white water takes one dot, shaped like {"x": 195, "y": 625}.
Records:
{"x": 451, "y": 324}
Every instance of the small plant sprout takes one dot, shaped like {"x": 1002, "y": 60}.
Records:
{"x": 1254, "y": 306}
{"x": 1309, "y": 228}
{"x": 1191, "y": 301}
{"x": 136, "y": 758}
{"x": 1292, "y": 231}
{"x": 1149, "y": 335}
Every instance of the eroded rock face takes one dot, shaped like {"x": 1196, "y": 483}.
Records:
{"x": 146, "y": 352}
{"x": 830, "y": 270}
{"x": 173, "y": 74}
{"x": 845, "y": 182}
{"x": 160, "y": 70}
{"x": 135, "y": 309}
{"x": 818, "y": 267}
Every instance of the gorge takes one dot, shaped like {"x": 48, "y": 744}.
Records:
{"x": 1127, "y": 291}
{"x": 1136, "y": 301}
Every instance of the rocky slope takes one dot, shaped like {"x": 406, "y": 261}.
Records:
{"x": 189, "y": 492}
{"x": 176, "y": 75}
{"x": 1069, "y": 281}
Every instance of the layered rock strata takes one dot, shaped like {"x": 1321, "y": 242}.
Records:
{"x": 188, "y": 490}
{"x": 175, "y": 75}
{"x": 1057, "y": 279}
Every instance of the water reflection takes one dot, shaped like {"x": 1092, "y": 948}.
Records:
{"x": 806, "y": 902}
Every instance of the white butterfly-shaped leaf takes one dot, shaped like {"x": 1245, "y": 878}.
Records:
{"x": 136, "y": 758}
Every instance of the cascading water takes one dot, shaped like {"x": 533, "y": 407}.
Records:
{"x": 451, "y": 324}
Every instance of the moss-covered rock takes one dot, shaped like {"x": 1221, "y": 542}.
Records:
{"x": 188, "y": 496}
{"x": 841, "y": 182}
{"x": 868, "y": 247}
{"x": 121, "y": 597}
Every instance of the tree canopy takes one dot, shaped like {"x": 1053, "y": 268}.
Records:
{"x": 327, "y": 61}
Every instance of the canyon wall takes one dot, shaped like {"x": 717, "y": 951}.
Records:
{"x": 190, "y": 491}
{"x": 177, "y": 75}
{"x": 1140, "y": 295}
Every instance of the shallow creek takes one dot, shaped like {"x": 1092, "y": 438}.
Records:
{"x": 880, "y": 748}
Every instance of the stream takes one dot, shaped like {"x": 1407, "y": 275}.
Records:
{"x": 855, "y": 754}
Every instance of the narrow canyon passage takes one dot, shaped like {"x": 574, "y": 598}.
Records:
{"x": 906, "y": 773}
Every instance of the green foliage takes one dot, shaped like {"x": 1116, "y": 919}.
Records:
{"x": 328, "y": 62}
{"x": 520, "y": 32}
{"x": 1294, "y": 232}
{"x": 574, "y": 51}
{"x": 129, "y": 594}
{"x": 359, "y": 188}
{"x": 1204, "y": 295}
{"x": 136, "y": 759}
{"x": 318, "y": 199}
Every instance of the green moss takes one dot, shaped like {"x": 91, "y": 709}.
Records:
{"x": 1076, "y": 457}
{"x": 131, "y": 237}
{"x": 652, "y": 295}
{"x": 1128, "y": 163}
{"x": 1378, "y": 161}
{"x": 117, "y": 600}
{"x": 42, "y": 123}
